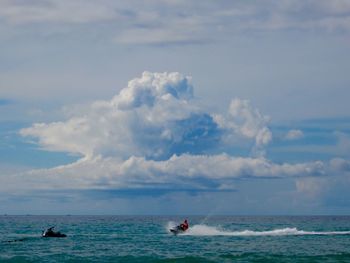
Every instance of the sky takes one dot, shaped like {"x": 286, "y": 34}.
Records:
{"x": 175, "y": 107}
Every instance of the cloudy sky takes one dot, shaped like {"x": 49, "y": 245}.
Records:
{"x": 174, "y": 107}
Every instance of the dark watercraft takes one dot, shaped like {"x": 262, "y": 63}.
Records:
{"x": 177, "y": 230}
{"x": 50, "y": 233}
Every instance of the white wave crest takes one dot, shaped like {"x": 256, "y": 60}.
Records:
{"x": 204, "y": 230}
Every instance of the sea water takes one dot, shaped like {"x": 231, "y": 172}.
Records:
{"x": 147, "y": 239}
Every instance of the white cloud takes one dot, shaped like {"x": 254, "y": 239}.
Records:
{"x": 172, "y": 22}
{"x": 143, "y": 119}
{"x": 152, "y": 134}
{"x": 329, "y": 189}
{"x": 246, "y": 121}
{"x": 155, "y": 117}
{"x": 153, "y": 86}
{"x": 43, "y": 11}
{"x": 338, "y": 171}
{"x": 178, "y": 172}
{"x": 174, "y": 31}
{"x": 294, "y": 135}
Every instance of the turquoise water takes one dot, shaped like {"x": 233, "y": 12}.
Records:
{"x": 146, "y": 239}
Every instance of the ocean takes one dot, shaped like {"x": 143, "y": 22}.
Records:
{"x": 147, "y": 239}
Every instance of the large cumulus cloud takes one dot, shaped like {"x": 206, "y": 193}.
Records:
{"x": 154, "y": 134}
{"x": 144, "y": 119}
{"x": 154, "y": 116}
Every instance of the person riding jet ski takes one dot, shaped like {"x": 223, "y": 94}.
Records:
{"x": 50, "y": 233}
{"x": 180, "y": 228}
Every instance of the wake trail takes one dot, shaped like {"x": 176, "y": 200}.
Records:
{"x": 204, "y": 230}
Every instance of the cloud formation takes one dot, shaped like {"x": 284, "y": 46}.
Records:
{"x": 155, "y": 117}
{"x": 205, "y": 172}
{"x": 173, "y": 22}
{"x": 153, "y": 134}
{"x": 246, "y": 121}
{"x": 76, "y": 11}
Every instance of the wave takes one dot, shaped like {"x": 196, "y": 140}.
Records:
{"x": 204, "y": 230}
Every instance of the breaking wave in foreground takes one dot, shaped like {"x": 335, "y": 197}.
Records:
{"x": 204, "y": 230}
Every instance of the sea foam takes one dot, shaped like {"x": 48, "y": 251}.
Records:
{"x": 205, "y": 230}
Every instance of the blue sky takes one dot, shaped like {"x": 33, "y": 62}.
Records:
{"x": 174, "y": 107}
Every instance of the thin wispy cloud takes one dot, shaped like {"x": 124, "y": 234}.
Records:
{"x": 294, "y": 135}
{"x": 179, "y": 22}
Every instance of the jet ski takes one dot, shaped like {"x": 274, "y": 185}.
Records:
{"x": 180, "y": 228}
{"x": 177, "y": 230}
{"x": 50, "y": 233}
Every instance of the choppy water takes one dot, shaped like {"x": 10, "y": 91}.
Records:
{"x": 146, "y": 239}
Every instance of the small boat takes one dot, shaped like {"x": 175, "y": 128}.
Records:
{"x": 50, "y": 233}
